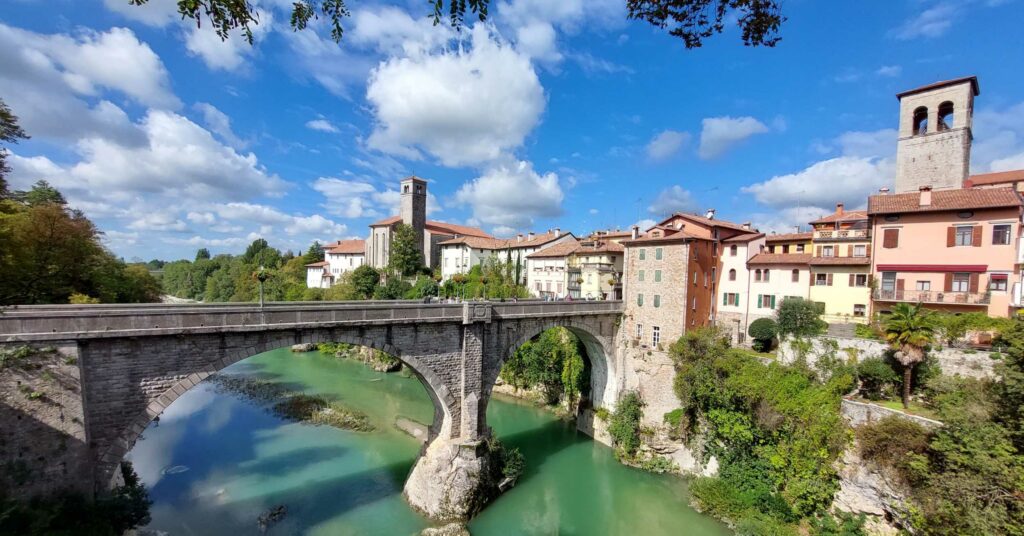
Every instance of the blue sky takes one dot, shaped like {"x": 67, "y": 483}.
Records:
{"x": 553, "y": 114}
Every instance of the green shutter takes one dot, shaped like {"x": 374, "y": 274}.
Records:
{"x": 641, "y": 278}
{"x": 725, "y": 299}
{"x": 759, "y": 301}
{"x": 773, "y": 301}
{"x": 640, "y": 299}
{"x": 643, "y": 253}
{"x": 657, "y": 276}
{"x": 657, "y": 254}
{"x": 657, "y": 300}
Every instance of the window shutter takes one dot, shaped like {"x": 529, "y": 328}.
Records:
{"x": 828, "y": 280}
{"x": 849, "y": 251}
{"x": 949, "y": 282}
{"x": 812, "y": 279}
{"x": 950, "y": 237}
{"x": 773, "y": 301}
{"x": 852, "y": 283}
{"x": 818, "y": 251}
{"x": 976, "y": 237}
{"x": 975, "y": 277}
{"x": 900, "y": 283}
{"x": 725, "y": 299}
{"x": 891, "y": 238}
{"x": 759, "y": 301}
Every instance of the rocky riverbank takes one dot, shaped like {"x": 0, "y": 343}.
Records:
{"x": 314, "y": 409}
{"x": 376, "y": 359}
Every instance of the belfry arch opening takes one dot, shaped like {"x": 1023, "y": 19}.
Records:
{"x": 920, "y": 121}
{"x": 946, "y": 117}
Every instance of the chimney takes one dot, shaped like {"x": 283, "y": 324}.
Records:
{"x": 746, "y": 225}
{"x": 839, "y": 209}
{"x": 883, "y": 191}
{"x": 710, "y": 214}
{"x": 926, "y": 196}
{"x": 519, "y": 237}
{"x": 558, "y": 232}
{"x": 529, "y": 236}
{"x": 636, "y": 232}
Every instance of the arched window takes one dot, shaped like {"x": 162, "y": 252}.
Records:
{"x": 732, "y": 274}
{"x": 757, "y": 275}
{"x": 766, "y": 274}
{"x": 732, "y": 250}
{"x": 945, "y": 116}
{"x": 921, "y": 121}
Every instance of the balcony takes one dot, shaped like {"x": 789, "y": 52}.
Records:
{"x": 934, "y": 297}
{"x": 842, "y": 235}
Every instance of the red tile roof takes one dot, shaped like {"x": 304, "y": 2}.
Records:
{"x": 933, "y": 268}
{"x": 503, "y": 243}
{"x": 439, "y": 227}
{"x": 601, "y": 247}
{"x": 320, "y": 264}
{"x": 744, "y": 237}
{"x": 849, "y": 215}
{"x": 999, "y": 177}
{"x": 840, "y": 261}
{"x": 678, "y": 236}
{"x": 710, "y": 222}
{"x": 972, "y": 79}
{"x": 780, "y": 258}
{"x": 972, "y": 198}
{"x": 557, "y": 250}
{"x": 788, "y": 237}
{"x": 347, "y": 246}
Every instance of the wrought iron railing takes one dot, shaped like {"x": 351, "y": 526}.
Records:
{"x": 933, "y": 296}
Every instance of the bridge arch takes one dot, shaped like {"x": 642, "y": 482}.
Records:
{"x": 440, "y": 395}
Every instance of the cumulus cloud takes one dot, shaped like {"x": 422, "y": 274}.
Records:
{"x": 219, "y": 123}
{"x": 930, "y": 23}
{"x": 999, "y": 139}
{"x": 889, "y": 70}
{"x": 666, "y": 144}
{"x": 464, "y": 107}
{"x": 786, "y": 220}
{"x": 322, "y": 125}
{"x": 673, "y": 199}
{"x": 719, "y": 134}
{"x": 153, "y": 13}
{"x": 391, "y": 30}
{"x": 226, "y": 54}
{"x": 512, "y": 194}
{"x": 361, "y": 199}
{"x": 849, "y": 179}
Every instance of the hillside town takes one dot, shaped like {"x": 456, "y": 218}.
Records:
{"x": 941, "y": 237}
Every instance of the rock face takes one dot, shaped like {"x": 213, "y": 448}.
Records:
{"x": 866, "y": 489}
{"x": 305, "y": 347}
{"x": 417, "y": 430}
{"x": 451, "y": 529}
{"x": 453, "y": 480}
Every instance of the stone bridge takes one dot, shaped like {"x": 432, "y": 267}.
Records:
{"x": 135, "y": 360}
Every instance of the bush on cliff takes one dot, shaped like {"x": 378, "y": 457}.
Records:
{"x": 763, "y": 331}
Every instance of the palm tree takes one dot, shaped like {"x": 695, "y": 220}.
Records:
{"x": 909, "y": 329}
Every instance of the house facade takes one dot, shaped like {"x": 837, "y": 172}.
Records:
{"x": 775, "y": 277}
{"x": 548, "y": 271}
{"x": 840, "y": 266}
{"x": 459, "y": 255}
{"x": 734, "y": 283}
{"x": 597, "y": 267}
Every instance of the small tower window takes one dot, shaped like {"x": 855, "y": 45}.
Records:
{"x": 405, "y": 188}
{"x": 920, "y": 121}
{"x": 945, "y": 116}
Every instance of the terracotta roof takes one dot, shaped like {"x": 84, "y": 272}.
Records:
{"x": 601, "y": 247}
{"x": 678, "y": 236}
{"x": 557, "y": 250}
{"x": 386, "y": 221}
{"x": 711, "y": 222}
{"x": 480, "y": 242}
{"x": 849, "y": 215}
{"x": 840, "y": 261}
{"x": 347, "y": 246}
{"x": 744, "y": 237}
{"x": 972, "y": 79}
{"x": 439, "y": 227}
{"x": 780, "y": 258}
{"x": 787, "y": 237}
{"x": 610, "y": 234}
{"x": 972, "y": 198}
{"x": 320, "y": 264}
{"x": 1000, "y": 177}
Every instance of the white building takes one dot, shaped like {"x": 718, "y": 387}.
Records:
{"x": 775, "y": 277}
{"x": 548, "y": 270}
{"x": 734, "y": 283}
{"x": 339, "y": 258}
{"x": 461, "y": 254}
{"x": 318, "y": 275}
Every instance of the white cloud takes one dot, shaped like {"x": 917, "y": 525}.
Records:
{"x": 666, "y": 144}
{"x": 316, "y": 225}
{"x": 153, "y": 13}
{"x": 787, "y": 220}
{"x": 889, "y": 70}
{"x": 390, "y": 30}
{"x": 999, "y": 139}
{"x": 218, "y": 122}
{"x": 322, "y": 125}
{"x": 593, "y": 211}
{"x": 461, "y": 106}
{"x": 361, "y": 199}
{"x": 321, "y": 59}
{"x": 206, "y": 218}
{"x": 251, "y": 212}
{"x": 720, "y": 133}
{"x": 158, "y": 221}
{"x": 930, "y": 23}
{"x": 645, "y": 224}
{"x": 512, "y": 194}
{"x": 849, "y": 179}
{"x": 226, "y": 54}
{"x": 868, "y": 144}
{"x": 673, "y": 199}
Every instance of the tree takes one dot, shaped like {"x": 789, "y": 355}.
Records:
{"x": 909, "y": 329}
{"x": 10, "y": 132}
{"x": 364, "y": 280}
{"x": 203, "y": 253}
{"x": 40, "y": 194}
{"x": 315, "y": 253}
{"x": 393, "y": 289}
{"x": 405, "y": 257}
{"x": 763, "y": 331}
{"x": 799, "y": 317}
{"x": 1010, "y": 391}
{"x": 690, "y": 20}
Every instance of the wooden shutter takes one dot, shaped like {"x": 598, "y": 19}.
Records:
{"x": 891, "y": 238}
{"x": 974, "y": 277}
{"x": 828, "y": 280}
{"x": 849, "y": 251}
{"x": 852, "y": 282}
{"x": 949, "y": 282}
{"x": 812, "y": 279}
{"x": 871, "y": 279}
{"x": 818, "y": 250}
{"x": 900, "y": 283}
{"x": 950, "y": 237}
{"x": 976, "y": 238}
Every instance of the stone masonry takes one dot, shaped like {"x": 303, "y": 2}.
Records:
{"x": 134, "y": 361}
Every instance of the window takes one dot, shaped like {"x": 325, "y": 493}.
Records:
{"x": 657, "y": 300}
{"x": 860, "y": 251}
{"x": 714, "y": 249}
{"x": 961, "y": 282}
{"x": 640, "y": 275}
{"x": 732, "y": 250}
{"x": 860, "y": 280}
{"x": 799, "y": 248}
{"x": 920, "y": 121}
{"x": 890, "y": 238}
{"x": 945, "y": 121}
{"x": 785, "y": 248}
{"x": 539, "y": 289}
{"x": 705, "y": 280}
{"x": 732, "y": 274}
{"x": 757, "y": 274}
{"x": 643, "y": 253}
{"x": 796, "y": 275}
{"x": 860, "y": 310}
{"x": 639, "y": 331}
{"x": 827, "y": 251}
{"x": 655, "y": 335}
{"x": 765, "y": 301}
{"x": 888, "y": 282}
{"x": 820, "y": 280}
{"x": 730, "y": 298}
{"x": 997, "y": 282}
{"x": 694, "y": 303}
{"x": 657, "y": 254}
{"x": 559, "y": 288}
{"x": 1000, "y": 235}
{"x": 657, "y": 276}
{"x": 924, "y": 285}
{"x": 964, "y": 235}
{"x": 640, "y": 300}
{"x": 765, "y": 274}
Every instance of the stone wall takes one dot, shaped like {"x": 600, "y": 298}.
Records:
{"x": 859, "y": 413}
{"x": 953, "y": 361}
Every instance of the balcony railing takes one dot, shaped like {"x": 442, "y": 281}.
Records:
{"x": 932, "y": 296}
{"x": 842, "y": 234}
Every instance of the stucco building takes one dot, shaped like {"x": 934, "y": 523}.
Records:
{"x": 775, "y": 277}
{"x": 840, "y": 278}
{"x": 548, "y": 271}
{"x": 734, "y": 283}
{"x": 459, "y": 255}
{"x": 340, "y": 257}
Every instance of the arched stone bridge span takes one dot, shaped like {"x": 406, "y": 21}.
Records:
{"x": 134, "y": 361}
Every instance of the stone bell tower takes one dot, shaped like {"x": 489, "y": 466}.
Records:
{"x": 934, "y": 147}
{"x": 414, "y": 207}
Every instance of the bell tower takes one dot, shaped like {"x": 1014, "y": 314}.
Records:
{"x": 934, "y": 146}
{"x": 414, "y": 206}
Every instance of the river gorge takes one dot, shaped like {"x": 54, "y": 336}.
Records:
{"x": 215, "y": 461}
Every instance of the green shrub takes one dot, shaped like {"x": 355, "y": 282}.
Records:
{"x": 763, "y": 331}
{"x": 846, "y": 525}
{"x": 866, "y": 331}
{"x": 800, "y": 318}
{"x": 877, "y": 378}
{"x": 512, "y": 463}
{"x": 675, "y": 420}
{"x": 893, "y": 442}
{"x": 625, "y": 424}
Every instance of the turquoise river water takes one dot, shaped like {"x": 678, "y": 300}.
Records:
{"x": 215, "y": 461}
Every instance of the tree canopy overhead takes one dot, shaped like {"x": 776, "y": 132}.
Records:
{"x": 690, "y": 20}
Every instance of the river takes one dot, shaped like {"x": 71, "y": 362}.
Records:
{"x": 215, "y": 461}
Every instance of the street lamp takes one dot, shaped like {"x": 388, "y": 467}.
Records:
{"x": 261, "y": 275}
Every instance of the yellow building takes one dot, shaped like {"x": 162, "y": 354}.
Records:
{"x": 787, "y": 243}
{"x": 841, "y": 266}
{"x": 595, "y": 270}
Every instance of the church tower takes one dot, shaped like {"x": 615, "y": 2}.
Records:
{"x": 934, "y": 147}
{"x": 414, "y": 206}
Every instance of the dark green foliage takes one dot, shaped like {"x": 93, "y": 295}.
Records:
{"x": 512, "y": 463}
{"x": 405, "y": 258}
{"x": 1010, "y": 391}
{"x": 894, "y": 442}
{"x": 202, "y": 254}
{"x": 394, "y": 289}
{"x": 846, "y": 525}
{"x": 800, "y": 318}
{"x": 41, "y": 193}
{"x": 624, "y": 426}
{"x": 364, "y": 280}
{"x": 315, "y": 253}
{"x": 877, "y": 378}
{"x": 763, "y": 331}
{"x": 425, "y": 286}
{"x": 72, "y": 514}
{"x": 10, "y": 132}
{"x": 553, "y": 362}
{"x": 491, "y": 279}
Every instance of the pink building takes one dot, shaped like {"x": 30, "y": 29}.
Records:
{"x": 954, "y": 250}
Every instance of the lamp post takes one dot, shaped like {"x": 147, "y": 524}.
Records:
{"x": 261, "y": 275}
